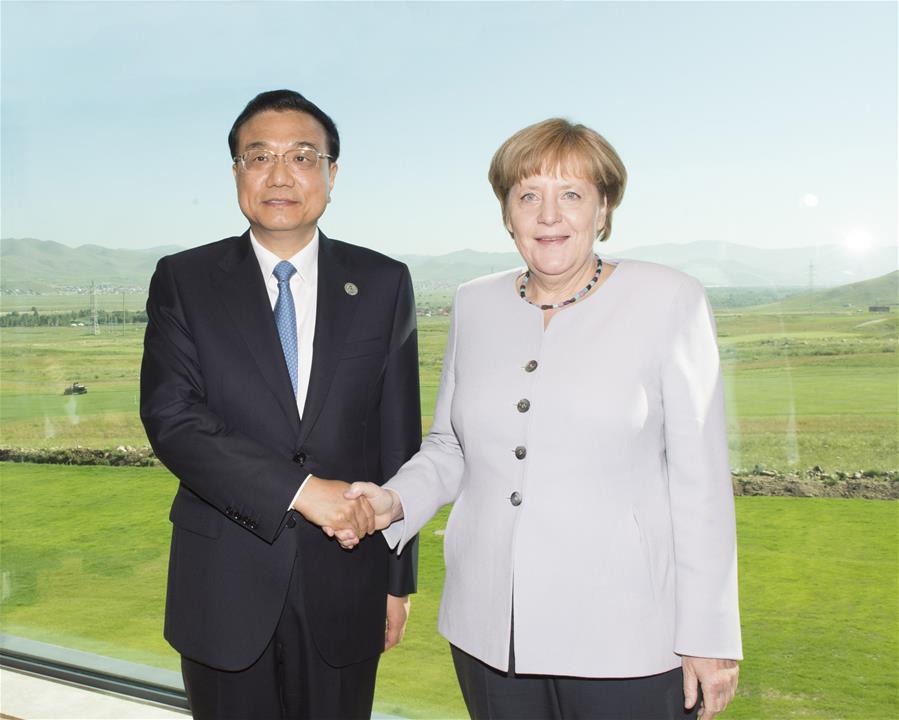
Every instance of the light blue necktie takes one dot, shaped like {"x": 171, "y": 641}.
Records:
{"x": 286, "y": 319}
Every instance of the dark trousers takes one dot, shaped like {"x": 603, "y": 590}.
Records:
{"x": 494, "y": 695}
{"x": 290, "y": 681}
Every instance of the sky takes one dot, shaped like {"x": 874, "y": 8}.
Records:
{"x": 772, "y": 124}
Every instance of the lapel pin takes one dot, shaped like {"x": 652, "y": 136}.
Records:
{"x": 350, "y": 289}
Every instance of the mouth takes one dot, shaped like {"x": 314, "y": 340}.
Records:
{"x": 279, "y": 202}
{"x": 551, "y": 239}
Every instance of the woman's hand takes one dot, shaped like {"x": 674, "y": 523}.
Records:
{"x": 718, "y": 679}
{"x": 385, "y": 503}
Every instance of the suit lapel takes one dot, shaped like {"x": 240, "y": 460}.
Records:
{"x": 333, "y": 314}
{"x": 243, "y": 293}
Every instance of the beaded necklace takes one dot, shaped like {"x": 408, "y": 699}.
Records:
{"x": 578, "y": 295}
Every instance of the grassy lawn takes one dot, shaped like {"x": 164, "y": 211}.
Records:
{"x": 83, "y": 550}
{"x": 802, "y": 389}
{"x": 84, "y": 553}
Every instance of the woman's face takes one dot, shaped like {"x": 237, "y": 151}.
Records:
{"x": 554, "y": 220}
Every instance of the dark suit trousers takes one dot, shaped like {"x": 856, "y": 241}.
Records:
{"x": 290, "y": 681}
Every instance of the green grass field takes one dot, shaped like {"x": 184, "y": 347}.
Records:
{"x": 84, "y": 549}
{"x": 84, "y": 552}
{"x": 802, "y": 390}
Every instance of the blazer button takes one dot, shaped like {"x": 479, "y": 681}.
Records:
{"x": 291, "y": 522}
{"x": 300, "y": 458}
{"x": 531, "y": 366}
{"x": 252, "y": 525}
{"x": 524, "y": 405}
{"x": 515, "y": 499}
{"x": 521, "y": 452}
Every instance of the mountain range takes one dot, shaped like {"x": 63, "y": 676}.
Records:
{"x": 30, "y": 265}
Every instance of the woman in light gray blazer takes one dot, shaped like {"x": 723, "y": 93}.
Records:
{"x": 579, "y": 432}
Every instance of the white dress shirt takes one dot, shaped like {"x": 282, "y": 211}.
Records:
{"x": 304, "y": 289}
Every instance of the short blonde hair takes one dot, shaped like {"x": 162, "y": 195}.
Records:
{"x": 557, "y": 144}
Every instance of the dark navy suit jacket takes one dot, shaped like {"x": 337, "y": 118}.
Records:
{"x": 218, "y": 407}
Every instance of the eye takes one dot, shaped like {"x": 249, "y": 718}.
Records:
{"x": 570, "y": 195}
{"x": 529, "y": 197}
{"x": 258, "y": 158}
{"x": 303, "y": 157}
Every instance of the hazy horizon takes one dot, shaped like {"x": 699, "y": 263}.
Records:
{"x": 601, "y": 247}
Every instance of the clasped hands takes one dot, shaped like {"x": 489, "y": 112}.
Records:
{"x": 347, "y": 512}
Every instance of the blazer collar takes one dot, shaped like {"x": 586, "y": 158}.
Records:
{"x": 335, "y": 308}
{"x": 243, "y": 293}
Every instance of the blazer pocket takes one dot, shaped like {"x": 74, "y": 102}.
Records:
{"x": 647, "y": 554}
{"x": 358, "y": 348}
{"x": 191, "y": 513}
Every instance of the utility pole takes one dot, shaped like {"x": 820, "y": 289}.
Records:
{"x": 95, "y": 325}
{"x": 123, "y": 313}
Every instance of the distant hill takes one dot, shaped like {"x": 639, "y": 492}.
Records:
{"x": 732, "y": 265}
{"x": 715, "y": 264}
{"x": 883, "y": 290}
{"x": 33, "y": 265}
{"x": 455, "y": 268}
{"x": 29, "y": 265}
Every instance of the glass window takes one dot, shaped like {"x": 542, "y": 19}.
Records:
{"x": 761, "y": 149}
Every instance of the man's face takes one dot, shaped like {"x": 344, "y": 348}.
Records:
{"x": 278, "y": 202}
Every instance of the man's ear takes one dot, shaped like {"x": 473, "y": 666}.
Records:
{"x": 332, "y": 173}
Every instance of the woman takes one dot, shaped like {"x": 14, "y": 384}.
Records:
{"x": 579, "y": 431}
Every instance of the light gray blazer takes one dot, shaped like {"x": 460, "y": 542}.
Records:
{"x": 622, "y": 551}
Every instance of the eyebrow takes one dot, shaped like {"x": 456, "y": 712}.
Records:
{"x": 297, "y": 144}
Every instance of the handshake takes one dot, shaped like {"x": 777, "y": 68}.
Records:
{"x": 347, "y": 512}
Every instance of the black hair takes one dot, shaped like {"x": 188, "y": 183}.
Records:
{"x": 282, "y": 100}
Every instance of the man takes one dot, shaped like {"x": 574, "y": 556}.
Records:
{"x": 273, "y": 360}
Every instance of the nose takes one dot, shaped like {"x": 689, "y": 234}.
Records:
{"x": 279, "y": 175}
{"x": 549, "y": 212}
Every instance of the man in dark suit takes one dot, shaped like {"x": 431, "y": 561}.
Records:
{"x": 271, "y": 361}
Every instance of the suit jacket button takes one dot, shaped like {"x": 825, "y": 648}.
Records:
{"x": 291, "y": 522}
{"x": 252, "y": 525}
{"x": 531, "y": 366}
{"x": 521, "y": 452}
{"x": 515, "y": 499}
{"x": 300, "y": 458}
{"x": 524, "y": 405}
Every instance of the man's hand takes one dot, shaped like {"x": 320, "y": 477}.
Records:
{"x": 397, "y": 615}
{"x": 384, "y": 503}
{"x": 323, "y": 503}
{"x": 718, "y": 679}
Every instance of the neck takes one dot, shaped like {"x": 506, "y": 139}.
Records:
{"x": 551, "y": 289}
{"x": 284, "y": 244}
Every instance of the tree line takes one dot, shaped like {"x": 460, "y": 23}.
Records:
{"x": 35, "y": 318}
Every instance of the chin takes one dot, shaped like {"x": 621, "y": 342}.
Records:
{"x": 551, "y": 265}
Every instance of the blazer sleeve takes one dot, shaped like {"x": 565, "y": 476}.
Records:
{"x": 401, "y": 419}
{"x": 433, "y": 477}
{"x": 240, "y": 477}
{"x": 707, "y": 622}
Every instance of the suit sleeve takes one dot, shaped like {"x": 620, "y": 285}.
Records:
{"x": 433, "y": 477}
{"x": 240, "y": 477}
{"x": 707, "y": 620}
{"x": 401, "y": 419}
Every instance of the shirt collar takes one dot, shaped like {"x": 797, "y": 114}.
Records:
{"x": 305, "y": 261}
